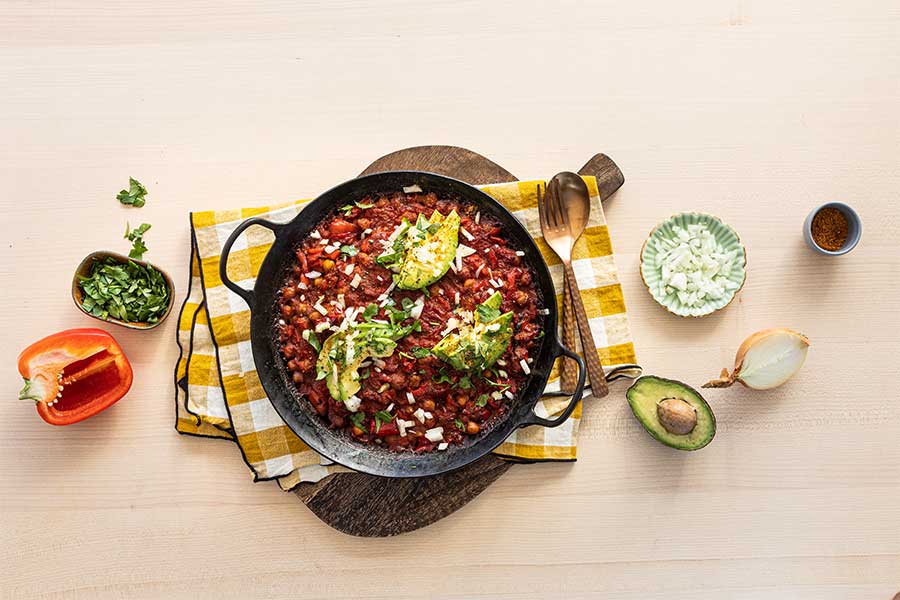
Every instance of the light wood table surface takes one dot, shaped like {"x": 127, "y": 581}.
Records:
{"x": 755, "y": 111}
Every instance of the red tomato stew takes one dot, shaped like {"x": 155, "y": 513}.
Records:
{"x": 409, "y": 321}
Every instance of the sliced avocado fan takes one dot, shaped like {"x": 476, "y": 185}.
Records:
{"x": 672, "y": 412}
{"x": 421, "y": 253}
{"x": 342, "y": 353}
{"x": 478, "y": 346}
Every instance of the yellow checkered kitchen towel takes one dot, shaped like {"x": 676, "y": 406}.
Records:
{"x": 218, "y": 393}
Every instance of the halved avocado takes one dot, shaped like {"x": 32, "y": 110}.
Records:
{"x": 672, "y": 412}
{"x": 430, "y": 248}
{"x": 478, "y": 346}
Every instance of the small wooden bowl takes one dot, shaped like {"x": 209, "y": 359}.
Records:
{"x": 84, "y": 270}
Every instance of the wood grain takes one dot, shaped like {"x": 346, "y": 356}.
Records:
{"x": 599, "y": 388}
{"x": 756, "y": 111}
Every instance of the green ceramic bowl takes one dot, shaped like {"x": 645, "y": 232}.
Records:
{"x": 650, "y": 271}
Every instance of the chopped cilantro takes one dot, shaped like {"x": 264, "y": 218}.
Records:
{"x": 135, "y": 195}
{"x": 420, "y": 352}
{"x": 310, "y": 336}
{"x": 441, "y": 377}
{"x": 125, "y": 291}
{"x": 459, "y": 424}
{"x": 382, "y": 417}
{"x": 465, "y": 383}
{"x": 358, "y": 419}
{"x": 136, "y": 237}
{"x": 481, "y": 400}
{"x": 370, "y": 311}
{"x": 349, "y": 250}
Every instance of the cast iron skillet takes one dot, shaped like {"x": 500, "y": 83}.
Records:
{"x": 299, "y": 414}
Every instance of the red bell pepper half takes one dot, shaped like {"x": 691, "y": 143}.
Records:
{"x": 74, "y": 374}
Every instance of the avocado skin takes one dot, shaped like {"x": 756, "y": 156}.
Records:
{"x": 647, "y": 391}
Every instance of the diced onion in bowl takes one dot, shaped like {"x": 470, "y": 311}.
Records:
{"x": 695, "y": 266}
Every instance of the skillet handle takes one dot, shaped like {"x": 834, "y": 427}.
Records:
{"x": 533, "y": 419}
{"x": 247, "y": 295}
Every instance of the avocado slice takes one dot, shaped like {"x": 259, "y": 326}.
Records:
{"x": 672, "y": 412}
{"x": 480, "y": 345}
{"x": 429, "y": 249}
{"x": 342, "y": 353}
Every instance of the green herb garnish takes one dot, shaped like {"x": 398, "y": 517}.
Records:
{"x": 134, "y": 195}
{"x": 125, "y": 291}
{"x": 358, "y": 419}
{"x": 382, "y": 417}
{"x": 420, "y": 352}
{"x": 459, "y": 424}
{"x": 481, "y": 400}
{"x": 371, "y": 311}
{"x": 441, "y": 377}
{"x": 465, "y": 383}
{"x": 349, "y": 250}
{"x": 136, "y": 237}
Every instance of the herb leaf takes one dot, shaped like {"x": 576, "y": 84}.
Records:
{"x": 137, "y": 238}
{"x": 441, "y": 377}
{"x": 358, "y": 419}
{"x": 349, "y": 250}
{"x": 465, "y": 383}
{"x": 134, "y": 195}
{"x": 481, "y": 400}
{"x": 382, "y": 417}
{"x": 459, "y": 424}
{"x": 420, "y": 352}
{"x": 311, "y": 337}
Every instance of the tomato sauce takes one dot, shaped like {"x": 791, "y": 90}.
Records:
{"x": 335, "y": 269}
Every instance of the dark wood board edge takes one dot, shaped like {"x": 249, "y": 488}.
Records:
{"x": 362, "y": 505}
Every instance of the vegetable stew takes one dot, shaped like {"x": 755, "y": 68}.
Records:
{"x": 409, "y": 321}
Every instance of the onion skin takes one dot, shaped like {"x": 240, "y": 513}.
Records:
{"x": 727, "y": 380}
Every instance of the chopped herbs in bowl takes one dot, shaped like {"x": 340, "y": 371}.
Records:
{"x": 693, "y": 264}
{"x": 122, "y": 290}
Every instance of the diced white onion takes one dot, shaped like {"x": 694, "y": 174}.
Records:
{"x": 349, "y": 269}
{"x": 435, "y": 434}
{"x": 468, "y": 235}
{"x": 478, "y": 217}
{"x": 524, "y": 364}
{"x": 502, "y": 374}
{"x": 456, "y": 298}
{"x": 330, "y": 249}
{"x": 412, "y": 189}
{"x": 315, "y": 234}
{"x": 322, "y": 326}
{"x": 354, "y": 283}
{"x": 313, "y": 275}
{"x": 352, "y": 403}
{"x": 519, "y": 253}
{"x": 322, "y": 310}
{"x": 509, "y": 395}
{"x": 443, "y": 446}
{"x": 410, "y": 398}
{"x": 390, "y": 407}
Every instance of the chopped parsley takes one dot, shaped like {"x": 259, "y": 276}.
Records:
{"x": 359, "y": 420}
{"x": 349, "y": 250}
{"x": 420, "y": 352}
{"x": 481, "y": 400}
{"x": 459, "y": 424}
{"x": 441, "y": 377}
{"x": 382, "y": 417}
{"x": 125, "y": 291}
{"x": 134, "y": 195}
{"x": 465, "y": 383}
{"x": 136, "y": 237}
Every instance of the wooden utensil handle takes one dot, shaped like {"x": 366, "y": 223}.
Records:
{"x": 599, "y": 388}
{"x": 569, "y": 368}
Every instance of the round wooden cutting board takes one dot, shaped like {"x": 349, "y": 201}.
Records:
{"x": 368, "y": 506}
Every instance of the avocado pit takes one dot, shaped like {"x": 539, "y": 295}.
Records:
{"x": 676, "y": 415}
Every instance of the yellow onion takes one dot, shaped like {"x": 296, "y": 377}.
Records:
{"x": 765, "y": 360}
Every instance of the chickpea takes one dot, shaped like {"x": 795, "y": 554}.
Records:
{"x": 472, "y": 428}
{"x": 292, "y": 364}
{"x": 315, "y": 316}
{"x": 469, "y": 283}
{"x": 461, "y": 400}
{"x": 521, "y": 298}
{"x": 415, "y": 381}
{"x": 357, "y": 431}
{"x": 327, "y": 265}
{"x": 319, "y": 282}
{"x": 286, "y": 310}
{"x": 428, "y": 404}
{"x": 289, "y": 292}
{"x": 297, "y": 377}
{"x": 363, "y": 223}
